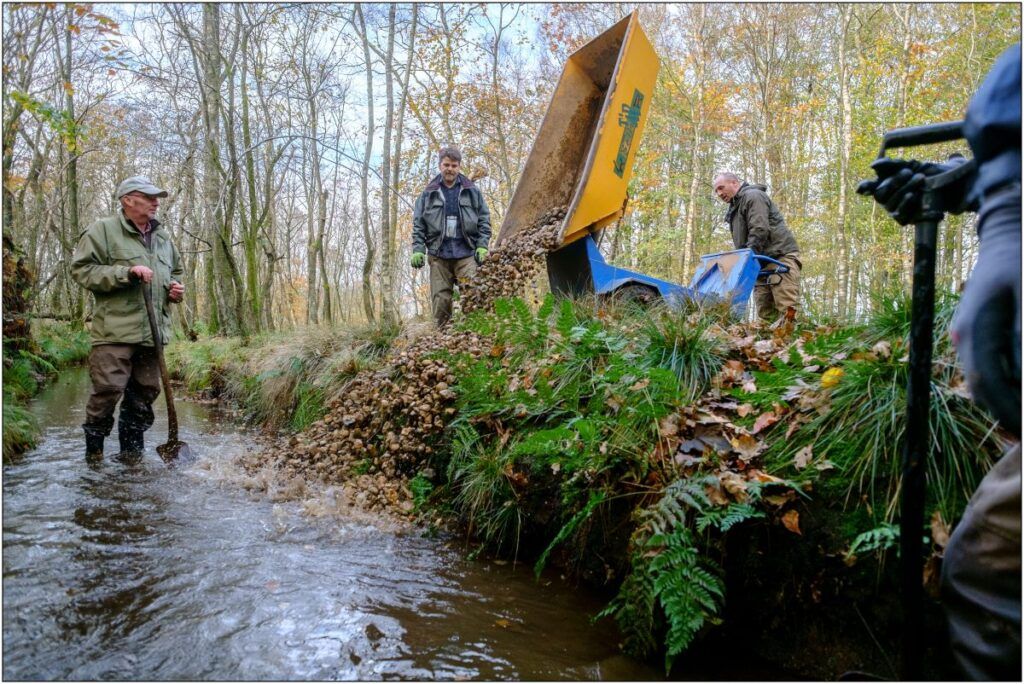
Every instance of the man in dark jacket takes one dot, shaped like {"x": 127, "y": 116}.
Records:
{"x": 452, "y": 224}
{"x": 115, "y": 258}
{"x": 981, "y": 571}
{"x": 756, "y": 223}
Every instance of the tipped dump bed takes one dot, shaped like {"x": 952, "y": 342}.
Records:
{"x": 582, "y": 157}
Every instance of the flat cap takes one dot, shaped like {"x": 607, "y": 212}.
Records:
{"x": 139, "y": 184}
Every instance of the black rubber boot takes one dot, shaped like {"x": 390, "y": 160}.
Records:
{"x": 132, "y": 443}
{"x": 93, "y": 447}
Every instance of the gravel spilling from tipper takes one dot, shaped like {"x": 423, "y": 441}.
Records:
{"x": 381, "y": 429}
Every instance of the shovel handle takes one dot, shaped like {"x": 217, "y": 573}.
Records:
{"x": 165, "y": 379}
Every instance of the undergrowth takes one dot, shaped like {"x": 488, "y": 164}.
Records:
{"x": 860, "y": 425}
{"x": 563, "y": 416}
{"x": 564, "y": 397}
{"x": 26, "y": 370}
{"x": 280, "y": 380}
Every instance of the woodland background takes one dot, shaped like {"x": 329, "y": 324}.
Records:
{"x": 294, "y": 138}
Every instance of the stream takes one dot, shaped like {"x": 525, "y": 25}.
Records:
{"x": 143, "y": 572}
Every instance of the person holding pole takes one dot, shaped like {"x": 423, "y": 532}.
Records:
{"x": 981, "y": 574}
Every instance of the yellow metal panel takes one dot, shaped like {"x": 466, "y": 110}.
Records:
{"x": 601, "y": 197}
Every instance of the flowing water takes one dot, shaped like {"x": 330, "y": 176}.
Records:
{"x": 119, "y": 571}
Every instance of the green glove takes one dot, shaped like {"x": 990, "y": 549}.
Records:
{"x": 417, "y": 259}
{"x": 481, "y": 254}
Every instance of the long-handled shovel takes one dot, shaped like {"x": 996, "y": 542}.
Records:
{"x": 917, "y": 446}
{"x": 174, "y": 449}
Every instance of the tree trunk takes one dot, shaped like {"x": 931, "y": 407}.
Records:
{"x": 845, "y": 145}
{"x": 388, "y": 310}
{"x": 368, "y": 307}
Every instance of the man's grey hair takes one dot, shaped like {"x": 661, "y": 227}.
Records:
{"x": 726, "y": 175}
{"x": 449, "y": 152}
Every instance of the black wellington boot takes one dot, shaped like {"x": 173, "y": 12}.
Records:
{"x": 132, "y": 443}
{"x": 93, "y": 447}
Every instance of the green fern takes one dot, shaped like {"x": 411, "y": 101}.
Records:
{"x": 596, "y": 499}
{"x": 881, "y": 538}
{"x": 732, "y": 515}
{"x": 689, "y": 588}
{"x": 671, "y": 567}
{"x": 633, "y": 608}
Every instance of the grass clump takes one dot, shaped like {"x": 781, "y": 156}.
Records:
{"x": 280, "y": 380}
{"x": 681, "y": 341}
{"x": 860, "y": 423}
{"x": 21, "y": 428}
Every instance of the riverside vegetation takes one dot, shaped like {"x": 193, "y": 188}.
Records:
{"x": 33, "y": 352}
{"x": 630, "y": 446}
{"x": 27, "y": 369}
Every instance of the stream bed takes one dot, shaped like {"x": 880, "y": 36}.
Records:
{"x": 142, "y": 572}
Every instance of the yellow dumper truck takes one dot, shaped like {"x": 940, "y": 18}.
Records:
{"x": 582, "y": 158}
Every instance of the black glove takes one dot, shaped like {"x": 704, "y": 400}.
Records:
{"x": 900, "y": 186}
{"x": 986, "y": 329}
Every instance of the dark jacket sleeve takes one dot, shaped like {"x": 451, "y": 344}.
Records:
{"x": 419, "y": 227}
{"x": 483, "y": 223}
{"x": 755, "y": 214}
{"x": 992, "y": 125}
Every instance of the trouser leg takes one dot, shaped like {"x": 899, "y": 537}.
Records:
{"x": 141, "y": 391}
{"x": 465, "y": 270}
{"x": 787, "y": 292}
{"x": 981, "y": 577}
{"x": 764, "y": 302}
{"x": 137, "y": 406}
{"x": 109, "y": 370}
{"x": 442, "y": 280}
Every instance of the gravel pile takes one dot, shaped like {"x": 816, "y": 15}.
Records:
{"x": 382, "y": 427}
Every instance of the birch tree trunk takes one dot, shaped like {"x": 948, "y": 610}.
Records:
{"x": 368, "y": 307}
{"x": 388, "y": 309}
{"x": 846, "y": 143}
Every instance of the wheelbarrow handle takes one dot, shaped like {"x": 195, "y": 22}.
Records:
{"x": 782, "y": 268}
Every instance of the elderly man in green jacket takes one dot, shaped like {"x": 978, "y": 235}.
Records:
{"x": 115, "y": 258}
{"x": 756, "y": 223}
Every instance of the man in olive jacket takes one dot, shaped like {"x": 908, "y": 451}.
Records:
{"x": 756, "y": 223}
{"x": 452, "y": 224}
{"x": 115, "y": 258}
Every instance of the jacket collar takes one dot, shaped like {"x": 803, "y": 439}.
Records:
{"x": 154, "y": 225}
{"x": 739, "y": 192}
{"x": 435, "y": 184}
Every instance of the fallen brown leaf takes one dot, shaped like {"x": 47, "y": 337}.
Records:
{"x": 803, "y": 457}
{"x": 761, "y": 476}
{"x": 716, "y": 496}
{"x": 744, "y": 410}
{"x": 640, "y": 384}
{"x": 791, "y": 521}
{"x": 746, "y": 446}
{"x": 764, "y": 420}
{"x": 734, "y": 484}
{"x": 940, "y": 530}
{"x": 780, "y": 499}
{"x": 669, "y": 426}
